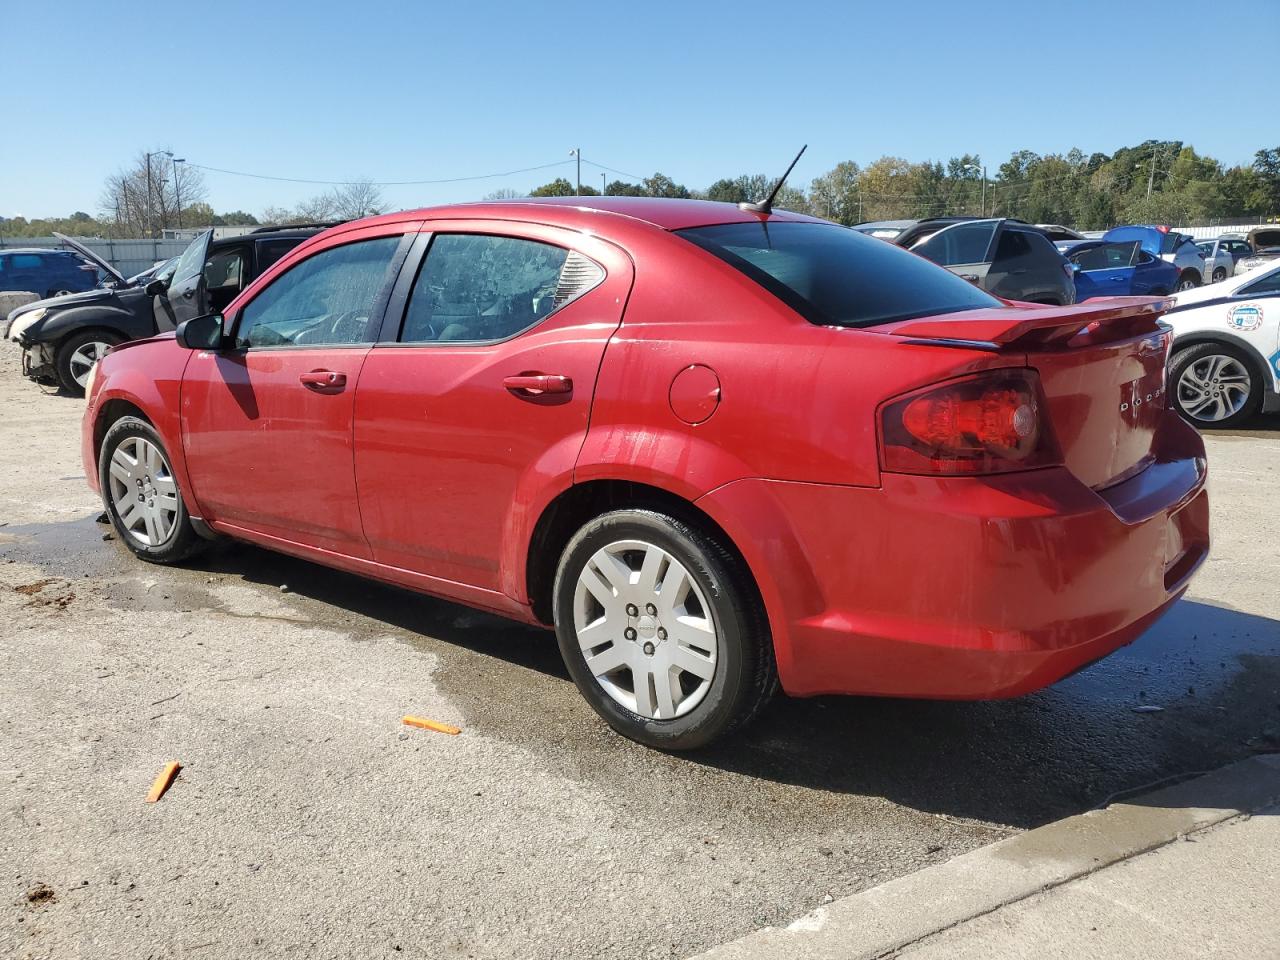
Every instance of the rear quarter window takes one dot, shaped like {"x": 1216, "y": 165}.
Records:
{"x": 834, "y": 276}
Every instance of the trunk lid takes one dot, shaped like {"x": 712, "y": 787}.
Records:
{"x": 1101, "y": 364}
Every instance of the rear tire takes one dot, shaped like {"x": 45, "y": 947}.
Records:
{"x": 1215, "y": 385}
{"x": 1188, "y": 280}
{"x": 76, "y": 356}
{"x": 141, "y": 494}
{"x": 655, "y": 617}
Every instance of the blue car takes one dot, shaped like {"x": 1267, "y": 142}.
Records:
{"x": 1119, "y": 269}
{"x": 1169, "y": 245}
{"x": 46, "y": 272}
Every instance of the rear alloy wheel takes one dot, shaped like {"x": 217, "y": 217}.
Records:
{"x": 662, "y": 630}
{"x": 1220, "y": 274}
{"x": 77, "y": 355}
{"x": 141, "y": 494}
{"x": 1188, "y": 281}
{"x": 1214, "y": 385}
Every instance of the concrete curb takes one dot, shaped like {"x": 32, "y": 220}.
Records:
{"x": 888, "y": 917}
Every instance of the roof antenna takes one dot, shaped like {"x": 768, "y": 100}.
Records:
{"x": 766, "y": 206}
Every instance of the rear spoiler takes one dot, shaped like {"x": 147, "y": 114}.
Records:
{"x": 1097, "y": 321}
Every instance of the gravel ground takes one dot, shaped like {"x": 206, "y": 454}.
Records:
{"x": 308, "y": 821}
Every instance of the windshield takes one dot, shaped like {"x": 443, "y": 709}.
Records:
{"x": 832, "y": 275}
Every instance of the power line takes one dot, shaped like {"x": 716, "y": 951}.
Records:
{"x": 381, "y": 183}
{"x": 621, "y": 173}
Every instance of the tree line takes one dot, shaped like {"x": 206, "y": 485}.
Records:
{"x": 1157, "y": 181}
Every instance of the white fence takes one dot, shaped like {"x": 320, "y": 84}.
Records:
{"x": 127, "y": 256}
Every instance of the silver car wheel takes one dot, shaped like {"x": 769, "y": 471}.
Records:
{"x": 1214, "y": 387}
{"x": 1186, "y": 284}
{"x": 143, "y": 491}
{"x": 645, "y": 629}
{"x": 84, "y": 357}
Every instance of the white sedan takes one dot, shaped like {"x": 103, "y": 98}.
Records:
{"x": 1225, "y": 362}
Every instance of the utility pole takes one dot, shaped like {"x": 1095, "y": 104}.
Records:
{"x": 602, "y": 185}
{"x": 177, "y": 186}
{"x": 577, "y": 152}
{"x": 984, "y": 192}
{"x": 1151, "y": 180}
{"x": 128, "y": 218}
{"x": 150, "y": 227}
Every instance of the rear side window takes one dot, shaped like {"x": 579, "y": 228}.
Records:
{"x": 1013, "y": 243}
{"x": 475, "y": 288}
{"x": 326, "y": 299}
{"x": 269, "y": 251}
{"x": 26, "y": 261}
{"x": 835, "y": 276}
{"x": 1107, "y": 256}
{"x": 963, "y": 243}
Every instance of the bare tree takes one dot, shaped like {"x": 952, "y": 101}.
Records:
{"x": 506, "y": 193}
{"x": 150, "y": 194}
{"x": 359, "y": 198}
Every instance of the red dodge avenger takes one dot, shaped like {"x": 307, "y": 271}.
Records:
{"x": 718, "y": 448}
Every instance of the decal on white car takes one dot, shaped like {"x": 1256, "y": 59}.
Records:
{"x": 1246, "y": 316}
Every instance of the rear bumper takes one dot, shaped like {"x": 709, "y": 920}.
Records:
{"x": 967, "y": 588}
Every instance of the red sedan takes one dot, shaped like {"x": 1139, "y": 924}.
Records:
{"x": 718, "y": 449}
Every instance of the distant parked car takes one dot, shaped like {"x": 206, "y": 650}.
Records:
{"x": 1176, "y": 248}
{"x": 884, "y": 229}
{"x": 1218, "y": 262}
{"x": 62, "y": 337}
{"x": 1264, "y": 244}
{"x": 1237, "y": 245}
{"x": 45, "y": 271}
{"x": 1225, "y": 361}
{"x": 1119, "y": 269}
{"x": 1056, "y": 232}
{"x": 1008, "y": 258}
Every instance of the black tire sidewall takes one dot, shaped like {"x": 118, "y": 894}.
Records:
{"x": 62, "y": 360}
{"x": 736, "y": 664}
{"x": 1184, "y": 358}
{"x": 182, "y": 539}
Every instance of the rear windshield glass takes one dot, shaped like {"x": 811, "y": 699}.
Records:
{"x": 832, "y": 275}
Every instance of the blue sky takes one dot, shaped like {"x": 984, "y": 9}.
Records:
{"x": 343, "y": 89}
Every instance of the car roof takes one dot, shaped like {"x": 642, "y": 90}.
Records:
{"x": 57, "y": 250}
{"x": 283, "y": 233}
{"x": 579, "y": 212}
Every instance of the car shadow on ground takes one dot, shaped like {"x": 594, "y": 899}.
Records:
{"x": 1200, "y": 689}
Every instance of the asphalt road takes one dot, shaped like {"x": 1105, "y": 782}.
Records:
{"x": 307, "y": 821}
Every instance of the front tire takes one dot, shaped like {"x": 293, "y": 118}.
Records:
{"x": 1220, "y": 274}
{"x": 141, "y": 494}
{"x": 1215, "y": 385}
{"x": 76, "y": 356}
{"x": 662, "y": 629}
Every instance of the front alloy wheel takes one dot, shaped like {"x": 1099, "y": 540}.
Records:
{"x": 1214, "y": 385}
{"x": 142, "y": 495}
{"x": 662, "y": 629}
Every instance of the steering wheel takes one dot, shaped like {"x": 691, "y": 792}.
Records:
{"x": 349, "y": 327}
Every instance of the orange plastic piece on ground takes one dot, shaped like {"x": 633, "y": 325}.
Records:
{"x": 435, "y": 725}
{"x": 163, "y": 782}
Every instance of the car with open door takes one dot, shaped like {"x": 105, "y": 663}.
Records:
{"x": 1170, "y": 246}
{"x": 62, "y": 337}
{"x": 1120, "y": 269}
{"x": 717, "y": 448}
{"x": 1008, "y": 258}
{"x": 1219, "y": 261}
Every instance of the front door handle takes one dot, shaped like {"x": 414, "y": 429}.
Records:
{"x": 188, "y": 294}
{"x": 323, "y": 380}
{"x": 537, "y": 384}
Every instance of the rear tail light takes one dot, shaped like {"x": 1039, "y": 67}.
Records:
{"x": 992, "y": 422}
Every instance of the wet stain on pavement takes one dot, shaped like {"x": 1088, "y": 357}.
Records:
{"x": 813, "y": 765}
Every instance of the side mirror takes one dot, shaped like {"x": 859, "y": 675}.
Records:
{"x": 201, "y": 333}
{"x": 1075, "y": 266}
{"x": 155, "y": 288}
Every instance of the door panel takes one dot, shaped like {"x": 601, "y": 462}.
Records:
{"x": 268, "y": 452}
{"x": 186, "y": 293}
{"x": 449, "y": 450}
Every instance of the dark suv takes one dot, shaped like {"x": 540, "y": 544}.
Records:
{"x": 62, "y": 337}
{"x": 45, "y": 272}
{"x": 1005, "y": 257}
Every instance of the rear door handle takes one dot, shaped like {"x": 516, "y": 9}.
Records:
{"x": 323, "y": 380}
{"x": 537, "y": 384}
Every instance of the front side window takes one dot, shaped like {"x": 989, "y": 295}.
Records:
{"x": 476, "y": 288}
{"x": 1268, "y": 284}
{"x": 326, "y": 299}
{"x": 834, "y": 276}
{"x": 1106, "y": 256}
{"x": 191, "y": 261}
{"x": 963, "y": 243}
{"x": 225, "y": 269}
{"x": 269, "y": 251}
